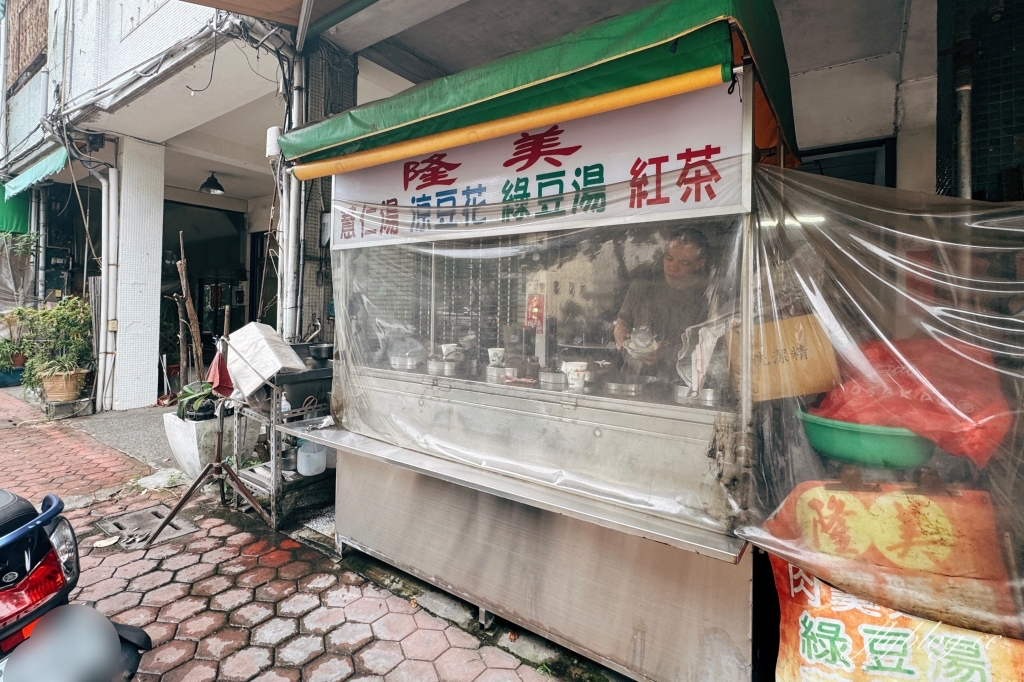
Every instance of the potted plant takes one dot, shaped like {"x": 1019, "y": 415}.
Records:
{"x": 58, "y": 342}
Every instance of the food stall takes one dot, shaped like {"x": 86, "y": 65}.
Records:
{"x": 586, "y": 328}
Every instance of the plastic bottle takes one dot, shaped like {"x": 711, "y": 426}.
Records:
{"x": 312, "y": 458}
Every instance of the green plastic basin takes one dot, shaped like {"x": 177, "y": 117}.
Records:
{"x": 866, "y": 445}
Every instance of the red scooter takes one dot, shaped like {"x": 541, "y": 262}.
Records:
{"x": 38, "y": 570}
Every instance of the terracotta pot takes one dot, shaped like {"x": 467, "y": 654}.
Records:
{"x": 18, "y": 360}
{"x": 65, "y": 386}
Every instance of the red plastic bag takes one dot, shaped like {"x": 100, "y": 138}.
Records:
{"x": 219, "y": 377}
{"x": 946, "y": 392}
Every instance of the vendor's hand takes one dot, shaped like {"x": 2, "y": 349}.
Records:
{"x": 653, "y": 358}
{"x": 621, "y": 333}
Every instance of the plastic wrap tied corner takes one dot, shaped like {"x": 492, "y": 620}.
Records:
{"x": 900, "y": 479}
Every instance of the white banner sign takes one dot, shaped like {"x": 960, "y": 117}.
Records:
{"x": 678, "y": 157}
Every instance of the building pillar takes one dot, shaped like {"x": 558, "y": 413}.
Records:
{"x": 139, "y": 267}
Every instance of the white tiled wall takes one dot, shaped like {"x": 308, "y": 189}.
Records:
{"x": 138, "y": 285}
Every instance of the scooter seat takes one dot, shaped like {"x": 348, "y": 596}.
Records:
{"x": 15, "y": 512}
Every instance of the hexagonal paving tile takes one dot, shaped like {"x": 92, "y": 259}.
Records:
{"x": 239, "y": 539}
{"x": 322, "y": 620}
{"x": 276, "y": 590}
{"x": 393, "y": 626}
{"x": 349, "y": 638}
{"x": 494, "y": 657}
{"x": 193, "y": 671}
{"x": 182, "y": 609}
{"x": 245, "y": 664}
{"x": 371, "y": 590}
{"x": 202, "y": 625}
{"x": 150, "y": 581}
{"x": 459, "y": 665}
{"x": 461, "y": 638}
{"x": 165, "y": 595}
{"x": 238, "y": 565}
{"x": 280, "y": 675}
{"x": 215, "y": 584}
{"x": 398, "y": 604}
{"x": 118, "y": 603}
{"x": 379, "y": 658}
{"x": 258, "y": 548}
{"x": 294, "y": 570}
{"x": 194, "y": 573}
{"x": 366, "y": 610}
{"x": 428, "y": 622}
{"x": 135, "y": 568}
{"x": 163, "y": 551}
{"x": 423, "y": 645}
{"x": 412, "y": 671}
{"x": 160, "y": 632}
{"x": 275, "y": 558}
{"x": 351, "y": 578}
{"x": 220, "y": 555}
{"x": 210, "y": 522}
{"x": 256, "y": 577}
{"x": 251, "y": 614}
{"x": 299, "y": 604}
{"x": 223, "y": 530}
{"x": 342, "y": 595}
{"x": 317, "y": 582}
{"x": 180, "y": 561}
{"x": 222, "y": 644}
{"x": 139, "y": 616}
{"x": 300, "y": 650}
{"x": 167, "y": 657}
{"x": 231, "y": 599}
{"x": 275, "y": 631}
{"x": 205, "y": 545}
{"x": 103, "y": 589}
{"x": 328, "y": 668}
{"x": 498, "y": 675}
{"x": 117, "y": 559}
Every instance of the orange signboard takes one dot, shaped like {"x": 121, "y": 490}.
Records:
{"x": 936, "y": 555}
{"x": 827, "y": 635}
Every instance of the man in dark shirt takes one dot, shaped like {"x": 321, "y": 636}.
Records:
{"x": 667, "y": 302}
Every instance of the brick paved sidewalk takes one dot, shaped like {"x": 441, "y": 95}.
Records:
{"x": 39, "y": 457}
{"x": 227, "y": 604}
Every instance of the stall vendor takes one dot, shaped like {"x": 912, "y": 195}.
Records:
{"x": 666, "y": 302}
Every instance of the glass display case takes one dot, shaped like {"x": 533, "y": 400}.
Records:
{"x": 592, "y": 361}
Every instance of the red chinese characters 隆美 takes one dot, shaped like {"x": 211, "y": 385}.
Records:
{"x": 431, "y": 171}
{"x": 529, "y": 149}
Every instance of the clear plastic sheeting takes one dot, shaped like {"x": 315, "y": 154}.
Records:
{"x": 594, "y": 360}
{"x": 15, "y": 279}
{"x": 898, "y": 476}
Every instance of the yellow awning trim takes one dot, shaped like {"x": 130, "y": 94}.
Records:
{"x": 620, "y": 99}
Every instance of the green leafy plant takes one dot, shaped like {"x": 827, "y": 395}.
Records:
{"x": 193, "y": 397}
{"x": 57, "y": 339}
{"x": 18, "y": 244}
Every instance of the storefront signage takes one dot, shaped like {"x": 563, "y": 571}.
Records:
{"x": 827, "y": 635}
{"x": 673, "y": 158}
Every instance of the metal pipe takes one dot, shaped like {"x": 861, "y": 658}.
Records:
{"x": 33, "y": 228}
{"x": 302, "y": 265}
{"x": 3, "y": 91}
{"x": 41, "y": 201}
{"x": 281, "y": 235}
{"x": 294, "y": 208}
{"x": 349, "y": 9}
{"x": 101, "y": 363}
{"x": 963, "y": 102}
{"x": 746, "y": 345}
{"x": 114, "y": 221}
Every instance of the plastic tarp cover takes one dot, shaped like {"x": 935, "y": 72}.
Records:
{"x": 592, "y": 360}
{"x": 898, "y": 479}
{"x": 665, "y": 39}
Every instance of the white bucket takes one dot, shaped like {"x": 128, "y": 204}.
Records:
{"x": 312, "y": 459}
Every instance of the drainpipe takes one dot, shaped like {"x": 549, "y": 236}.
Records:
{"x": 101, "y": 363}
{"x": 3, "y": 91}
{"x": 301, "y": 278}
{"x": 33, "y": 228}
{"x": 42, "y": 198}
{"x": 110, "y": 328}
{"x": 294, "y": 209}
{"x": 963, "y": 105}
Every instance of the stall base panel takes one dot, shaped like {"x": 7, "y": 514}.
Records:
{"x": 646, "y": 609}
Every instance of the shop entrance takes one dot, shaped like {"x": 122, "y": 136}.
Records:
{"x": 214, "y": 248}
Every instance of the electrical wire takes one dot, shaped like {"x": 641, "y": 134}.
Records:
{"x": 212, "y": 65}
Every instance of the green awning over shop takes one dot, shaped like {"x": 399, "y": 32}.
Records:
{"x": 40, "y": 170}
{"x": 14, "y": 215}
{"x": 666, "y": 39}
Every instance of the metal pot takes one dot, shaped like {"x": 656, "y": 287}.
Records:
{"x": 442, "y": 368}
{"x": 321, "y": 351}
{"x": 471, "y": 367}
{"x": 289, "y": 459}
{"x": 629, "y": 385}
{"x": 405, "y": 362}
{"x": 553, "y": 379}
{"x": 496, "y": 375}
